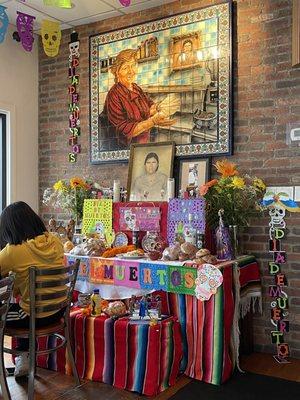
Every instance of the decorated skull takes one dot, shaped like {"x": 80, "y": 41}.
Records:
{"x": 3, "y": 23}
{"x": 277, "y": 214}
{"x": 51, "y": 37}
{"x": 74, "y": 50}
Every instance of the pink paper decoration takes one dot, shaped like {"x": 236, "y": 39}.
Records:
{"x": 126, "y": 273}
{"x": 209, "y": 278}
{"x": 125, "y": 3}
{"x": 25, "y": 29}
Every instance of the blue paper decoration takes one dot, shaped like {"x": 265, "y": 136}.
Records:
{"x": 3, "y": 23}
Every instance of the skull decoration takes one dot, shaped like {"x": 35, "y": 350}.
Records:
{"x": 74, "y": 50}
{"x": 209, "y": 278}
{"x": 25, "y": 30}
{"x": 277, "y": 214}
{"x": 130, "y": 219}
{"x": 125, "y": 3}
{"x": 51, "y": 36}
{"x": 3, "y": 23}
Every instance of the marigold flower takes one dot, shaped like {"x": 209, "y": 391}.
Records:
{"x": 203, "y": 190}
{"x": 211, "y": 183}
{"x": 238, "y": 182}
{"x": 78, "y": 182}
{"x": 259, "y": 184}
{"x": 59, "y": 186}
{"x": 226, "y": 168}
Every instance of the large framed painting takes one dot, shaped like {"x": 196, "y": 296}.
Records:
{"x": 165, "y": 80}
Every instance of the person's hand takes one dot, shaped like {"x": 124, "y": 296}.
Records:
{"x": 161, "y": 120}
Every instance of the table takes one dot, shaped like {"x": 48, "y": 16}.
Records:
{"x": 209, "y": 335}
{"x": 127, "y": 354}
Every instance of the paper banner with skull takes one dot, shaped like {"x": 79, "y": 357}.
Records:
{"x": 51, "y": 37}
{"x": 24, "y": 24}
{"x": 3, "y": 23}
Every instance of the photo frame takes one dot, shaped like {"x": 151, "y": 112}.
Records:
{"x": 180, "y": 70}
{"x": 192, "y": 173}
{"x": 150, "y": 166}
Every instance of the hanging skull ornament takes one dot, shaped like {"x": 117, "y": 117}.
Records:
{"x": 25, "y": 29}
{"x": 3, "y": 23}
{"x": 51, "y": 37}
{"x": 74, "y": 50}
{"x": 277, "y": 214}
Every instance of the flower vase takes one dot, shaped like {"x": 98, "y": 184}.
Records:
{"x": 235, "y": 242}
{"x": 223, "y": 243}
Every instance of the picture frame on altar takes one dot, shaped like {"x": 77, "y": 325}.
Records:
{"x": 179, "y": 85}
{"x": 150, "y": 166}
{"x": 192, "y": 173}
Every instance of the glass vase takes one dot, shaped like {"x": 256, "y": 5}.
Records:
{"x": 223, "y": 243}
{"x": 235, "y": 242}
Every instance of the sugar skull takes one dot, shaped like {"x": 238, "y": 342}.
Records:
{"x": 51, "y": 36}
{"x": 74, "y": 50}
{"x": 209, "y": 278}
{"x": 3, "y": 23}
{"x": 25, "y": 29}
{"x": 277, "y": 214}
{"x": 130, "y": 220}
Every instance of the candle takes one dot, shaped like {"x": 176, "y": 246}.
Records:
{"x": 171, "y": 188}
{"x": 116, "y": 190}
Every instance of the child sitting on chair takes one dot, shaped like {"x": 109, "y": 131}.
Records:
{"x": 25, "y": 242}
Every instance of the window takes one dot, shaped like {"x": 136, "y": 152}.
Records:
{"x": 2, "y": 161}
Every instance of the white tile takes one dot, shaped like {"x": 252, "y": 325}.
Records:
{"x": 297, "y": 193}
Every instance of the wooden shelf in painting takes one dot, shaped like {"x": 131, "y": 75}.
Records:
{"x": 173, "y": 88}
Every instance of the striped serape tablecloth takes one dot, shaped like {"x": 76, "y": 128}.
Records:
{"x": 127, "y": 354}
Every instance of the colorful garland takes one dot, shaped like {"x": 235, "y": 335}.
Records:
{"x": 74, "y": 118}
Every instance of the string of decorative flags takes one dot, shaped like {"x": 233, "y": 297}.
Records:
{"x": 74, "y": 110}
{"x": 51, "y": 32}
{"x": 278, "y": 204}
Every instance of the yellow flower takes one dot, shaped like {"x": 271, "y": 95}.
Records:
{"x": 238, "y": 182}
{"x": 226, "y": 168}
{"x": 59, "y": 186}
{"x": 78, "y": 182}
{"x": 259, "y": 184}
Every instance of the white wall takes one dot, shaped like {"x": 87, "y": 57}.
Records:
{"x": 19, "y": 97}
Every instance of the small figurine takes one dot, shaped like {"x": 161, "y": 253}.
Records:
{"x": 143, "y": 307}
{"x": 158, "y": 306}
{"x": 132, "y": 304}
{"x": 70, "y": 229}
{"x": 52, "y": 225}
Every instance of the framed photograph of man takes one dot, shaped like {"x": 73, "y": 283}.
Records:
{"x": 192, "y": 173}
{"x": 164, "y": 80}
{"x": 150, "y": 166}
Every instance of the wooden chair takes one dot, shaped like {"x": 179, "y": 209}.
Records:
{"x": 44, "y": 278}
{"x": 6, "y": 288}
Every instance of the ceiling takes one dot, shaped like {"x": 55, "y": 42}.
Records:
{"x": 82, "y": 12}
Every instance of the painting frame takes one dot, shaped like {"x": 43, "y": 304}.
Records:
{"x": 224, "y": 142}
{"x": 145, "y": 150}
{"x": 184, "y": 165}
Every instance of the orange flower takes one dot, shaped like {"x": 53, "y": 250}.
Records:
{"x": 78, "y": 182}
{"x": 226, "y": 168}
{"x": 204, "y": 188}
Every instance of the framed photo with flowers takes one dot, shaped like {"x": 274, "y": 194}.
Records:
{"x": 168, "y": 79}
{"x": 192, "y": 173}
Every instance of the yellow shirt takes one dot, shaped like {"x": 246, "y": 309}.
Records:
{"x": 43, "y": 251}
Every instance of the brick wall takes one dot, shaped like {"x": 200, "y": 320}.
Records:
{"x": 266, "y": 98}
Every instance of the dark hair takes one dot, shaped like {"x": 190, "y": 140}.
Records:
{"x": 187, "y": 41}
{"x": 18, "y": 223}
{"x": 152, "y": 155}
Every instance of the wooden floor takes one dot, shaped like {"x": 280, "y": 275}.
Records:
{"x": 264, "y": 364}
{"x": 55, "y": 386}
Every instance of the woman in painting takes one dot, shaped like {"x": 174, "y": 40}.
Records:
{"x": 152, "y": 184}
{"x": 129, "y": 111}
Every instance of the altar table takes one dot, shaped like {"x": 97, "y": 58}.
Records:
{"x": 209, "y": 336}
